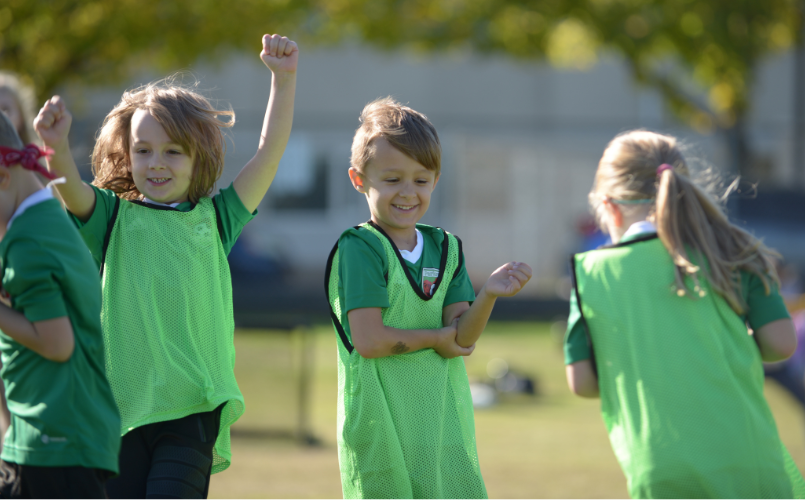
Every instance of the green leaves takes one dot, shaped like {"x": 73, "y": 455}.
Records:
{"x": 700, "y": 55}
{"x": 55, "y": 42}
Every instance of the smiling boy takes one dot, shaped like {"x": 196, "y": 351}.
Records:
{"x": 400, "y": 299}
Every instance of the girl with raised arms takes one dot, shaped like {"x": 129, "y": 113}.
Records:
{"x": 161, "y": 241}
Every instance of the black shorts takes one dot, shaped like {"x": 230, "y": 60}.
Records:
{"x": 28, "y": 481}
{"x": 171, "y": 459}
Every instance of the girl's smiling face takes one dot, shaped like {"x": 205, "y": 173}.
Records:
{"x": 162, "y": 169}
{"x": 398, "y": 190}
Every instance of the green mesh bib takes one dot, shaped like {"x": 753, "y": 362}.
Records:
{"x": 681, "y": 382}
{"x": 405, "y": 422}
{"x": 167, "y": 319}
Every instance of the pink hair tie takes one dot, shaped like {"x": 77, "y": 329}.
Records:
{"x": 662, "y": 168}
{"x": 27, "y": 157}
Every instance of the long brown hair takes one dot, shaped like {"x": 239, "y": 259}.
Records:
{"x": 690, "y": 221}
{"x": 189, "y": 120}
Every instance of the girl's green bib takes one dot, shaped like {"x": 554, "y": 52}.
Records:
{"x": 167, "y": 319}
{"x": 405, "y": 422}
{"x": 681, "y": 382}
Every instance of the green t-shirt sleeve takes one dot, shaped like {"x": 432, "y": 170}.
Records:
{"x": 763, "y": 308}
{"x": 233, "y": 215}
{"x": 363, "y": 272}
{"x": 93, "y": 231}
{"x": 31, "y": 279}
{"x": 460, "y": 289}
{"x": 576, "y": 346}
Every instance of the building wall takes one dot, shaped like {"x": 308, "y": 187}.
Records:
{"x": 521, "y": 143}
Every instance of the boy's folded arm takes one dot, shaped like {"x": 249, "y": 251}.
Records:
{"x": 52, "y": 339}
{"x": 581, "y": 379}
{"x": 472, "y": 321}
{"x": 506, "y": 281}
{"x": 777, "y": 340}
{"x": 373, "y": 339}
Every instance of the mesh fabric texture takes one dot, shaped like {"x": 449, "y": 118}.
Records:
{"x": 405, "y": 422}
{"x": 681, "y": 382}
{"x": 167, "y": 319}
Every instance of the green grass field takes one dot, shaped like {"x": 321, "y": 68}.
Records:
{"x": 553, "y": 445}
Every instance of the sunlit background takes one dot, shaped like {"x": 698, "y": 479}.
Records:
{"x": 525, "y": 96}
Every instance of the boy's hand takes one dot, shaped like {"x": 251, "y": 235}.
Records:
{"x": 508, "y": 279}
{"x": 447, "y": 347}
{"x": 52, "y": 124}
{"x": 279, "y": 54}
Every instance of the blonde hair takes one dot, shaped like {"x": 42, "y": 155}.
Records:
{"x": 408, "y": 131}
{"x": 23, "y": 95}
{"x": 689, "y": 220}
{"x": 189, "y": 120}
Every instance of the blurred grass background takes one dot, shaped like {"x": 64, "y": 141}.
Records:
{"x": 552, "y": 445}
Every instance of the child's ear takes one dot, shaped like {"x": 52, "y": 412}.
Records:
{"x": 357, "y": 179}
{"x": 614, "y": 212}
{"x": 436, "y": 180}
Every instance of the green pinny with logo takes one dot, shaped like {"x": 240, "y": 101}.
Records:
{"x": 405, "y": 422}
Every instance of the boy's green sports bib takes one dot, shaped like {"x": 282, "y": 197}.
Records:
{"x": 167, "y": 318}
{"x": 405, "y": 422}
{"x": 681, "y": 382}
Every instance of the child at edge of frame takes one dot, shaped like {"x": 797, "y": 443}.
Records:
{"x": 658, "y": 330}
{"x": 160, "y": 242}
{"x": 63, "y": 438}
{"x": 400, "y": 303}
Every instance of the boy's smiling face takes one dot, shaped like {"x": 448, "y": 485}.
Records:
{"x": 398, "y": 190}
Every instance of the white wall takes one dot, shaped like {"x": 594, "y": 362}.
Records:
{"x": 521, "y": 144}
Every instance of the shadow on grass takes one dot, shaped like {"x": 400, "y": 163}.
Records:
{"x": 263, "y": 434}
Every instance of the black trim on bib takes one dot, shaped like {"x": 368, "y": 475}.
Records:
{"x": 336, "y": 322}
{"x": 460, "y": 256}
{"x": 648, "y": 237}
{"x": 162, "y": 207}
{"x": 581, "y": 312}
{"x": 218, "y": 221}
{"x": 155, "y": 207}
{"x": 110, "y": 225}
{"x": 442, "y": 264}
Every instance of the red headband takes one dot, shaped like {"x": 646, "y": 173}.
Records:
{"x": 27, "y": 157}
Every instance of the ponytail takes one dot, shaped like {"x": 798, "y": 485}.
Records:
{"x": 641, "y": 166}
{"x": 691, "y": 224}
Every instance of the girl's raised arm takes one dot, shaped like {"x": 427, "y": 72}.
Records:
{"x": 53, "y": 125}
{"x": 251, "y": 184}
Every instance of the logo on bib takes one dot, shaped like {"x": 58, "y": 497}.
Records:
{"x": 202, "y": 230}
{"x": 429, "y": 276}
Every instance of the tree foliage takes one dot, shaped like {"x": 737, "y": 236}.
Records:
{"x": 54, "y": 42}
{"x": 667, "y": 44}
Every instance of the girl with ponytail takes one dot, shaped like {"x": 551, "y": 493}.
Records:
{"x": 658, "y": 330}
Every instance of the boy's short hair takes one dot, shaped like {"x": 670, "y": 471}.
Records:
{"x": 189, "y": 120}
{"x": 9, "y": 137}
{"x": 408, "y": 131}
